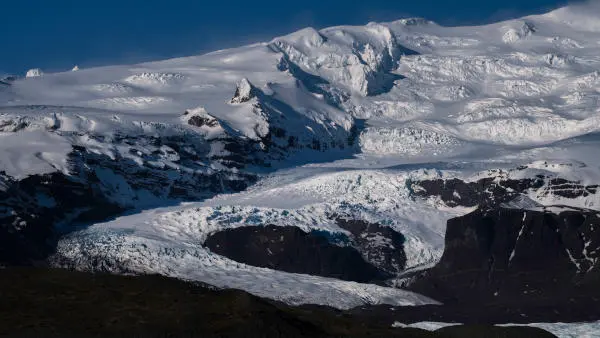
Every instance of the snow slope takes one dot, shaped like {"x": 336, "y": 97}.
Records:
{"x": 422, "y": 88}
{"x": 337, "y": 121}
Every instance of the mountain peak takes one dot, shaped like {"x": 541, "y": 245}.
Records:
{"x": 35, "y": 72}
{"x": 244, "y": 92}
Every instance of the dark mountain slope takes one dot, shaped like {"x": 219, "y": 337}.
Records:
{"x": 60, "y": 303}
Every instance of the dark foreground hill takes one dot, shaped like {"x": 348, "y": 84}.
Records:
{"x": 60, "y": 303}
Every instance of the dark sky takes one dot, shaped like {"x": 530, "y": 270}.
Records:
{"x": 57, "y": 34}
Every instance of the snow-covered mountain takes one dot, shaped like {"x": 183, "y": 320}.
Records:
{"x": 401, "y": 125}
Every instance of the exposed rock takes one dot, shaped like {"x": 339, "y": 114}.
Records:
{"x": 32, "y": 208}
{"x": 487, "y": 191}
{"x": 293, "y": 250}
{"x": 507, "y": 255}
{"x": 244, "y": 92}
{"x": 199, "y": 121}
{"x": 199, "y": 117}
{"x": 493, "y": 191}
{"x": 380, "y": 245}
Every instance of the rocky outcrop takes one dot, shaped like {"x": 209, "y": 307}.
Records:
{"x": 379, "y": 245}
{"x": 198, "y": 117}
{"x": 487, "y": 191}
{"x": 34, "y": 209}
{"x": 371, "y": 252}
{"x": 244, "y": 92}
{"x": 293, "y": 250}
{"x": 495, "y": 190}
{"x": 515, "y": 256}
{"x": 200, "y": 121}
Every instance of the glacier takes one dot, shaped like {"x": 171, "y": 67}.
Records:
{"x": 337, "y": 121}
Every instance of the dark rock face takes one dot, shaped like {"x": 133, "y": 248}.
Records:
{"x": 31, "y": 208}
{"x": 192, "y": 181}
{"x": 199, "y": 121}
{"x": 492, "y": 191}
{"x": 380, "y": 245}
{"x": 293, "y": 250}
{"x": 507, "y": 255}
{"x": 502, "y": 264}
{"x": 487, "y": 191}
{"x": 569, "y": 189}
{"x": 371, "y": 252}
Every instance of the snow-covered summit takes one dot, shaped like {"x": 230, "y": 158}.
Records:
{"x": 244, "y": 92}
{"x": 34, "y": 72}
{"x": 525, "y": 81}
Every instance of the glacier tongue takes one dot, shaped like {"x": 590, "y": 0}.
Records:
{"x": 145, "y": 254}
